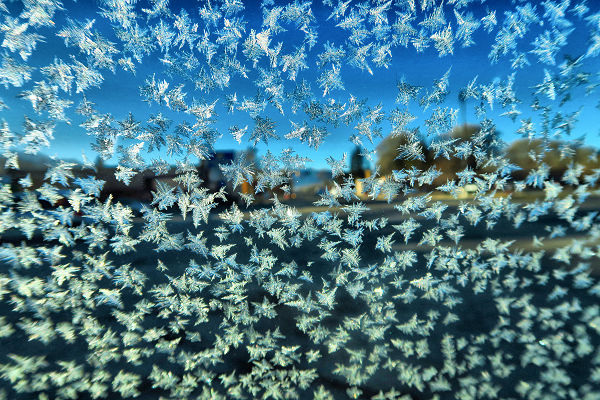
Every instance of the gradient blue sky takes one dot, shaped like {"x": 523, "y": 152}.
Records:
{"x": 119, "y": 93}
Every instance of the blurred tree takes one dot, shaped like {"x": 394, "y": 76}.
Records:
{"x": 396, "y": 152}
{"x": 529, "y": 154}
{"x": 465, "y": 134}
{"x": 450, "y": 153}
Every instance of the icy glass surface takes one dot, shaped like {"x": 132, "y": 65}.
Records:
{"x": 227, "y": 199}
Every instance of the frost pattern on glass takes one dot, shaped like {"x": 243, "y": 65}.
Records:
{"x": 409, "y": 211}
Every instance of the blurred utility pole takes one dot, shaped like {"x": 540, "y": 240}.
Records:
{"x": 462, "y": 100}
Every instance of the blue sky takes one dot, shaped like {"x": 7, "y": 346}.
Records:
{"x": 119, "y": 93}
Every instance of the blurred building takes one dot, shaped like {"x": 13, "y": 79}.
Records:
{"x": 139, "y": 188}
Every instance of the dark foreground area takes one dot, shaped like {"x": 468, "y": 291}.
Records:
{"x": 277, "y": 308}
